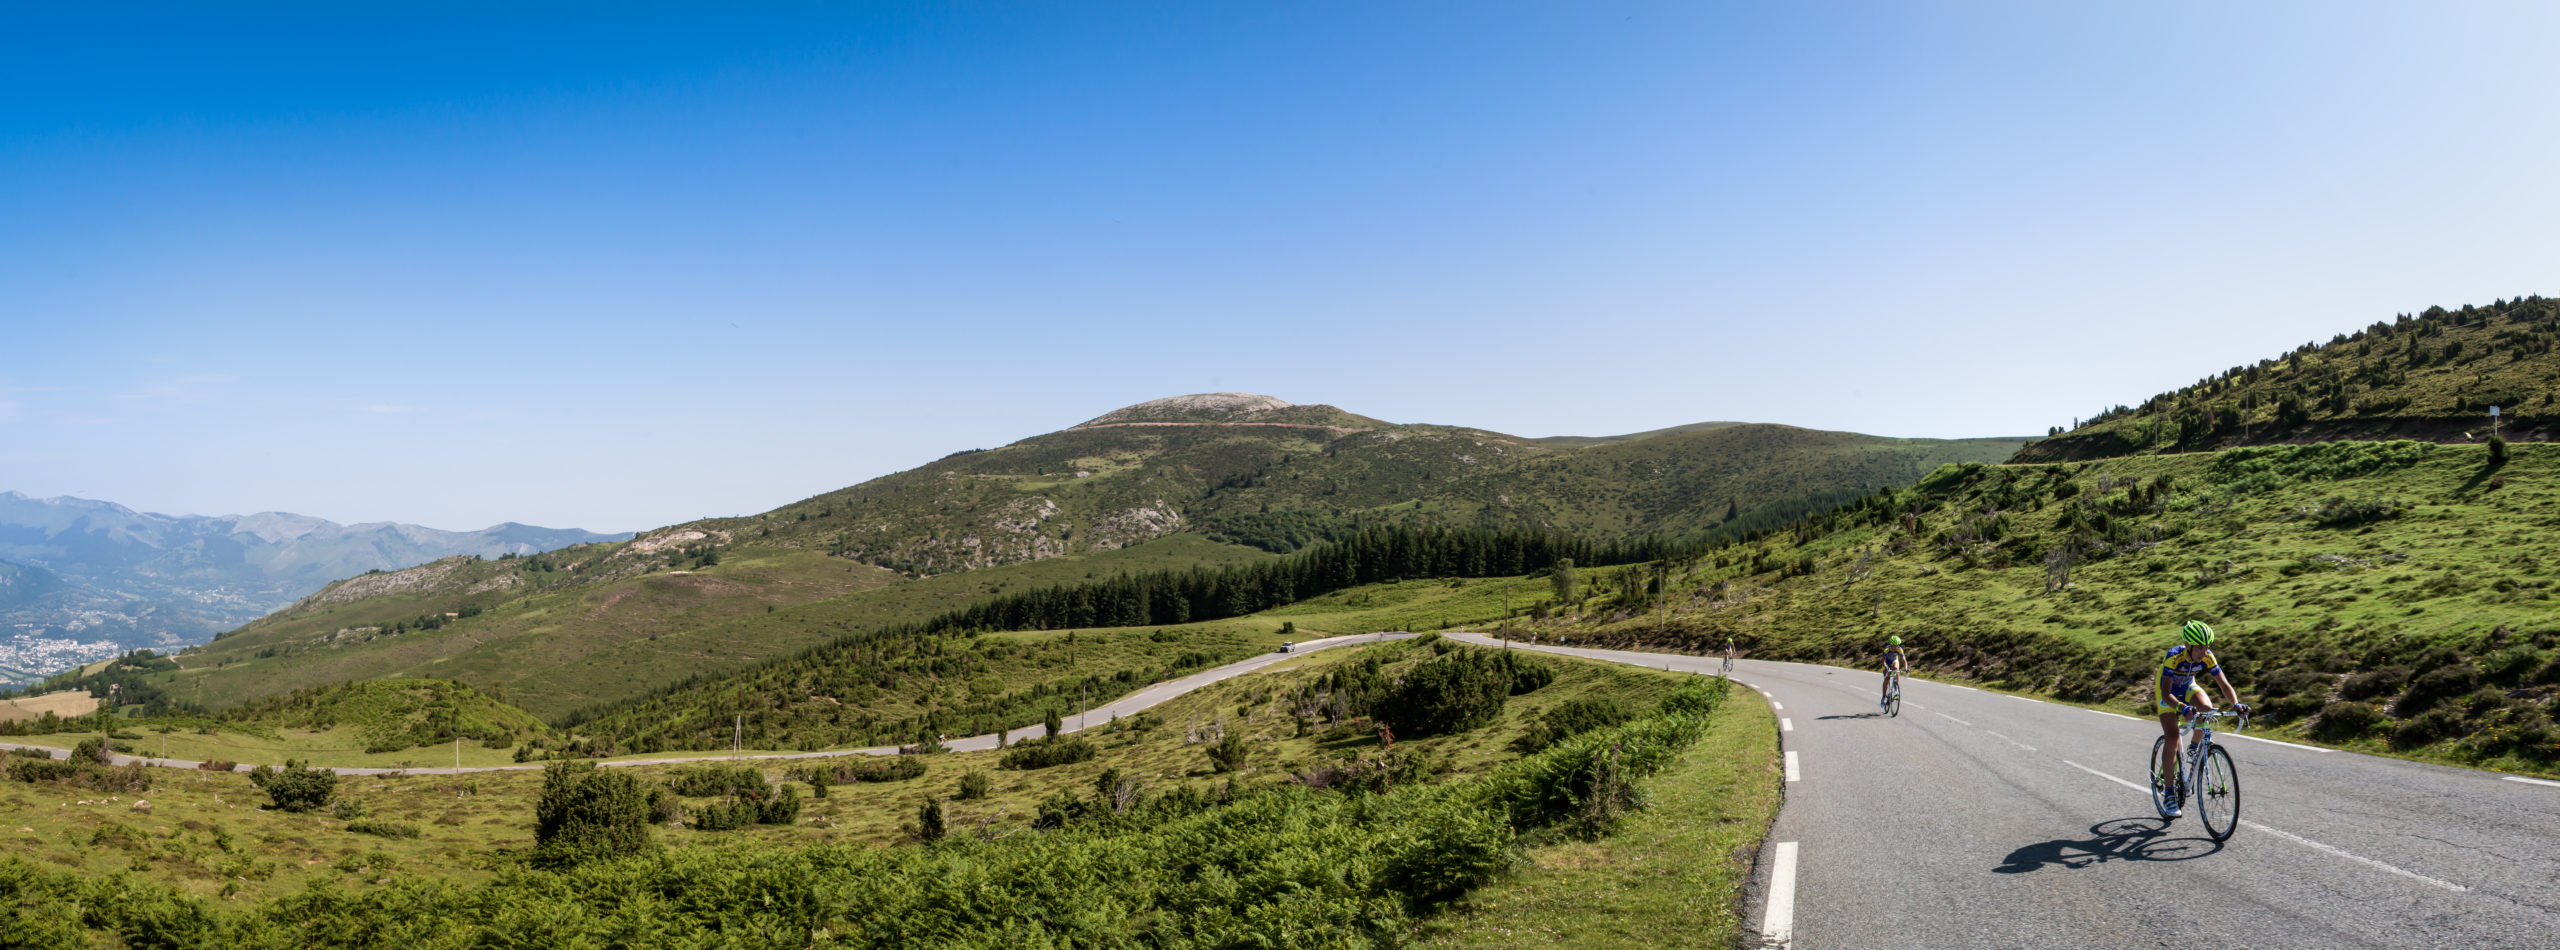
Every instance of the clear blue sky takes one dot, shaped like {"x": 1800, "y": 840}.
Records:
{"x": 615, "y": 266}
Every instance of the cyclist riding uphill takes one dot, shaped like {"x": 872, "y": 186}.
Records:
{"x": 2176, "y": 691}
{"x": 1893, "y": 664}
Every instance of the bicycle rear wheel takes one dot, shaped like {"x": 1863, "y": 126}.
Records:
{"x": 2159, "y": 782}
{"x": 2218, "y": 797}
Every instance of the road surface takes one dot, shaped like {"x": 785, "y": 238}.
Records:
{"x": 1979, "y": 819}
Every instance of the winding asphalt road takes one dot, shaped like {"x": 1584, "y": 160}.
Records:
{"x": 1980, "y": 819}
{"x": 1098, "y": 716}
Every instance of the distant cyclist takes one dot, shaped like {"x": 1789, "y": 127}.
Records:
{"x": 2176, "y": 691}
{"x": 1728, "y": 653}
{"x": 1893, "y": 666}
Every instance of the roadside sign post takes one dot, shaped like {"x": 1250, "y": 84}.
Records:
{"x": 2493, "y": 422}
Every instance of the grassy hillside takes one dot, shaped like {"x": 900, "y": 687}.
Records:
{"x": 2392, "y": 597}
{"x": 2429, "y": 376}
{"x": 1191, "y": 481}
{"x": 557, "y": 638}
{"x": 200, "y": 837}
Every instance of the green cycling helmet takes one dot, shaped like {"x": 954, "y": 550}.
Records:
{"x": 2196, "y": 633}
{"x": 1896, "y": 641}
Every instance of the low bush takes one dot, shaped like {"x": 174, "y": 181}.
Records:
{"x": 2372, "y": 683}
{"x": 1043, "y": 753}
{"x": 42, "y": 770}
{"x": 1571, "y": 718}
{"x": 2344, "y": 720}
{"x": 382, "y": 829}
{"x": 1228, "y": 754}
{"x": 889, "y": 768}
{"x": 217, "y": 765}
{"x": 586, "y": 813}
{"x": 705, "y": 781}
{"x": 974, "y": 786}
{"x": 295, "y": 788}
{"x": 1452, "y": 693}
{"x": 2427, "y": 729}
{"x": 2435, "y": 686}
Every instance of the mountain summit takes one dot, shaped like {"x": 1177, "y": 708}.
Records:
{"x": 1229, "y": 409}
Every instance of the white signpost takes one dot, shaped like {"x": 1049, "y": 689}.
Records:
{"x": 2493, "y": 422}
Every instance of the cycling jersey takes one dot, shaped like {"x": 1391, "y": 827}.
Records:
{"x": 1892, "y": 657}
{"x": 2178, "y": 674}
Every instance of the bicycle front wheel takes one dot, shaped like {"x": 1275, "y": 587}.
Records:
{"x": 2218, "y": 797}
{"x": 1893, "y": 701}
{"x": 2160, "y": 781}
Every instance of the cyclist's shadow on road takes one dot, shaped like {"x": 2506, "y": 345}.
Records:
{"x": 2123, "y": 839}
{"x": 1870, "y": 715}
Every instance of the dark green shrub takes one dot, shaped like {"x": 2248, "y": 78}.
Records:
{"x": 1449, "y": 694}
{"x": 2510, "y": 667}
{"x": 2497, "y": 450}
{"x": 2425, "y": 730}
{"x": 2435, "y": 686}
{"x": 886, "y": 768}
{"x": 382, "y": 829}
{"x": 705, "y": 781}
{"x": 28, "y": 753}
{"x": 91, "y": 750}
{"x": 781, "y": 806}
{"x": 2340, "y": 721}
{"x": 296, "y": 788}
{"x": 1571, "y": 718}
{"x": 1228, "y": 754}
{"x": 974, "y": 786}
{"x": 586, "y": 813}
{"x": 1527, "y": 675}
{"x": 2372, "y": 683}
{"x": 42, "y": 770}
{"x": 929, "y": 821}
{"x": 1043, "y": 753}
{"x": 722, "y": 815}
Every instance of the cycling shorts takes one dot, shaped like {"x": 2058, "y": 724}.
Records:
{"x": 2184, "y": 697}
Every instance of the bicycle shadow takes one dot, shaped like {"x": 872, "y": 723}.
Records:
{"x": 1872, "y": 715}
{"x": 2121, "y": 839}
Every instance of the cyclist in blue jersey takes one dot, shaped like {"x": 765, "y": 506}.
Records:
{"x": 2176, "y": 690}
{"x": 1893, "y": 664}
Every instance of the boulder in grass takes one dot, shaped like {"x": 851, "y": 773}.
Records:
{"x": 143, "y": 806}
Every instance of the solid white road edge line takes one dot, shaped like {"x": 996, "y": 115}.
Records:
{"x": 2117, "y": 715}
{"x": 2289, "y": 745}
{"x": 1779, "y": 925}
{"x": 1952, "y": 719}
{"x": 2298, "y": 839}
{"x": 1786, "y": 725}
{"x": 2532, "y": 781}
{"x": 1792, "y": 774}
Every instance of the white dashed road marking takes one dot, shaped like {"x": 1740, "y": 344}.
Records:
{"x": 1953, "y": 719}
{"x": 1779, "y": 926}
{"x": 1792, "y": 774}
{"x": 2532, "y": 781}
{"x": 1786, "y": 725}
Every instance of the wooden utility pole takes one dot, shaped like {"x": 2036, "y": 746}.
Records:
{"x": 738, "y": 739}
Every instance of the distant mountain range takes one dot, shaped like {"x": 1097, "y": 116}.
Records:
{"x": 97, "y": 573}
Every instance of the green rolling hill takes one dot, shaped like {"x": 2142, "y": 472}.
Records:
{"x": 1197, "y": 480}
{"x": 2430, "y": 376}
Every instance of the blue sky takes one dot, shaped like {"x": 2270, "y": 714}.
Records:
{"x": 615, "y": 266}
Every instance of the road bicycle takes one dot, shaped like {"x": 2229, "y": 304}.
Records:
{"x": 1892, "y": 694}
{"x": 2210, "y": 783}
{"x": 1728, "y": 666}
